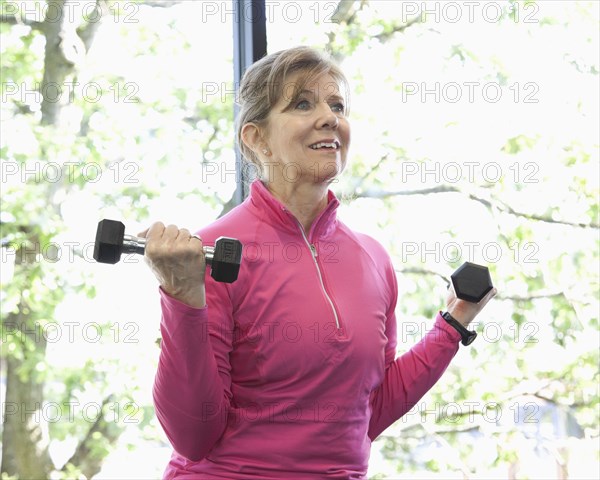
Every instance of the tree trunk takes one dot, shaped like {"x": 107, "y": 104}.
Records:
{"x": 24, "y": 441}
{"x": 25, "y": 436}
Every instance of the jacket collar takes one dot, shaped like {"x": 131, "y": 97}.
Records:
{"x": 271, "y": 210}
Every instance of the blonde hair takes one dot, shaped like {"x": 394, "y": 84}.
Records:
{"x": 263, "y": 85}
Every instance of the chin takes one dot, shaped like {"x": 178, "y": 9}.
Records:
{"x": 328, "y": 172}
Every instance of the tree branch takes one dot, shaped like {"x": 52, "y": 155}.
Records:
{"x": 423, "y": 271}
{"x": 231, "y": 203}
{"x": 88, "y": 31}
{"x": 212, "y": 137}
{"x": 161, "y": 3}
{"x": 372, "y": 193}
{"x": 414, "y": 425}
{"x": 344, "y": 12}
{"x": 498, "y": 204}
{"x": 387, "y": 35}
{"x": 508, "y": 209}
{"x": 358, "y": 183}
{"x": 83, "y": 459}
{"x": 533, "y": 296}
{"x": 18, "y": 20}
{"x": 513, "y": 298}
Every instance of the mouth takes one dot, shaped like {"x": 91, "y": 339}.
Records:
{"x": 330, "y": 145}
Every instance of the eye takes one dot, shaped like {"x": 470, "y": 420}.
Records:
{"x": 303, "y": 105}
{"x": 338, "y": 107}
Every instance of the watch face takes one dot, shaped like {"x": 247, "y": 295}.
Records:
{"x": 469, "y": 340}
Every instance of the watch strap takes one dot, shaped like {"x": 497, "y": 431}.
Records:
{"x": 467, "y": 336}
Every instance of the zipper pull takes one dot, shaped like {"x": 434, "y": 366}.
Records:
{"x": 313, "y": 249}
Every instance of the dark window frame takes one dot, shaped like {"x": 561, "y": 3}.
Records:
{"x": 249, "y": 45}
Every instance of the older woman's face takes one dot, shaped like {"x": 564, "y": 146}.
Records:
{"x": 308, "y": 141}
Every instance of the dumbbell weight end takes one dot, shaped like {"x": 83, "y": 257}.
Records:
{"x": 471, "y": 282}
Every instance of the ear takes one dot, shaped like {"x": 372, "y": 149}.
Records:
{"x": 252, "y": 137}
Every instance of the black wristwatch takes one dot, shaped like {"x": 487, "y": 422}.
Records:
{"x": 467, "y": 335}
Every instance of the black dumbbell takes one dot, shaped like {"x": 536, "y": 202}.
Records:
{"x": 111, "y": 242}
{"x": 471, "y": 282}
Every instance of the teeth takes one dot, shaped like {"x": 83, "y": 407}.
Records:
{"x": 324, "y": 144}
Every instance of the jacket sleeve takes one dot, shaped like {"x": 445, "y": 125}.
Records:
{"x": 192, "y": 386}
{"x": 409, "y": 377}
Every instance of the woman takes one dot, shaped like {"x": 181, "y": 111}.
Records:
{"x": 289, "y": 372}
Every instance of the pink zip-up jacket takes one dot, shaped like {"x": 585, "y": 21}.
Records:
{"x": 289, "y": 372}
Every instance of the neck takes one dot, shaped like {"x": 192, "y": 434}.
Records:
{"x": 305, "y": 201}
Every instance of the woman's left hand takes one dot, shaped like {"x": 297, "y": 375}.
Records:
{"x": 465, "y": 311}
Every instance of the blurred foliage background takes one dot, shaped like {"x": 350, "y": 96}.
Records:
{"x": 475, "y": 138}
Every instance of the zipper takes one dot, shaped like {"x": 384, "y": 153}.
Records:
{"x": 313, "y": 251}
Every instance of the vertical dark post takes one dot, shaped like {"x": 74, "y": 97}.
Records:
{"x": 249, "y": 45}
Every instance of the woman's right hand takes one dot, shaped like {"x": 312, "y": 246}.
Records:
{"x": 177, "y": 260}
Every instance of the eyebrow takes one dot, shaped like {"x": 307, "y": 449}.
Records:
{"x": 334, "y": 96}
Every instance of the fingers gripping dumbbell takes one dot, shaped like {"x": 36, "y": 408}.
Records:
{"x": 111, "y": 242}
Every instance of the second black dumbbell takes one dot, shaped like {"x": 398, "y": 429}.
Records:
{"x": 471, "y": 282}
{"x": 111, "y": 242}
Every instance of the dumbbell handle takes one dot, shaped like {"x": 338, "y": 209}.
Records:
{"x": 132, "y": 244}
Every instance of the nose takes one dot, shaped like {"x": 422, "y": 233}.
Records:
{"x": 326, "y": 117}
